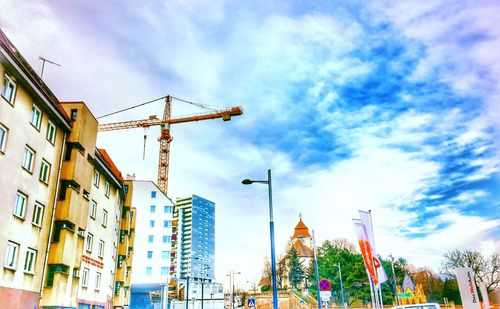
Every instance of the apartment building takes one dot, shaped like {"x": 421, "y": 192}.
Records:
{"x": 152, "y": 245}
{"x": 97, "y": 271}
{"x": 62, "y": 200}
{"x": 33, "y": 128}
{"x": 194, "y": 251}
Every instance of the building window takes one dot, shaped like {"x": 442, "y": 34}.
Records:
{"x": 152, "y": 209}
{"x": 92, "y": 209}
{"x": 38, "y": 214}
{"x": 151, "y": 223}
{"x": 153, "y": 194}
{"x": 3, "y": 137}
{"x": 149, "y": 271}
{"x": 51, "y": 133}
{"x": 89, "y": 242}
{"x": 29, "y": 261}
{"x": 28, "y": 159}
{"x": 167, "y": 223}
{"x": 11, "y": 253}
{"x": 97, "y": 178}
{"x": 165, "y": 255}
{"x": 73, "y": 114}
{"x": 97, "y": 281}
{"x": 164, "y": 271}
{"x": 100, "y": 252}
{"x": 20, "y": 207}
{"x": 44, "y": 171}
{"x": 150, "y": 254}
{"x": 36, "y": 117}
{"x": 9, "y": 89}
{"x": 166, "y": 239}
{"x": 104, "y": 218}
{"x": 150, "y": 239}
{"x": 85, "y": 277}
{"x": 108, "y": 189}
{"x": 167, "y": 209}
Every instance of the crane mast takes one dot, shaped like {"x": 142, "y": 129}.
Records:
{"x": 165, "y": 137}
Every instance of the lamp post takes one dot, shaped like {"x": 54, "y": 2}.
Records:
{"x": 271, "y": 232}
{"x": 231, "y": 286}
{"x": 341, "y": 287}
{"x": 394, "y": 279}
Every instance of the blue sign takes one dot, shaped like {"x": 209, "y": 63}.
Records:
{"x": 251, "y": 302}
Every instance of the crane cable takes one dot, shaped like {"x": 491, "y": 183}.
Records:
{"x": 129, "y": 108}
{"x": 157, "y": 99}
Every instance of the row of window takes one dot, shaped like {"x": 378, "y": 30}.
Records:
{"x": 89, "y": 243}
{"x": 96, "y": 180}
{"x": 166, "y": 209}
{"x": 163, "y": 271}
{"x": 21, "y": 205}
{"x": 28, "y": 164}
{"x": 165, "y": 255}
{"x": 166, "y": 223}
{"x": 93, "y": 212}
{"x": 84, "y": 279}
{"x": 165, "y": 239}
{"x": 8, "y": 92}
{"x": 12, "y": 255}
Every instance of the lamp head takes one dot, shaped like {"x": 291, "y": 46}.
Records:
{"x": 246, "y": 181}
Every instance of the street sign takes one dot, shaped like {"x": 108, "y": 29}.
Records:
{"x": 325, "y": 303}
{"x": 251, "y": 302}
{"x": 325, "y": 294}
{"x": 324, "y": 285}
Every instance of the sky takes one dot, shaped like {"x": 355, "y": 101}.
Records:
{"x": 381, "y": 106}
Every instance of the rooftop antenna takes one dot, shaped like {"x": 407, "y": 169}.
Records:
{"x": 43, "y": 64}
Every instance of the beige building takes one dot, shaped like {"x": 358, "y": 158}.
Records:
{"x": 32, "y": 132}
{"x": 97, "y": 271}
{"x": 61, "y": 200}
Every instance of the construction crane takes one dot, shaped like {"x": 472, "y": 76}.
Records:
{"x": 166, "y": 137}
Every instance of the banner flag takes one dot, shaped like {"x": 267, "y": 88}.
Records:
{"x": 366, "y": 250}
{"x": 366, "y": 219}
{"x": 484, "y": 295}
{"x": 467, "y": 288}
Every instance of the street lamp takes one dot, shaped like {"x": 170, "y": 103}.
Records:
{"x": 271, "y": 232}
{"x": 394, "y": 278}
{"x": 341, "y": 287}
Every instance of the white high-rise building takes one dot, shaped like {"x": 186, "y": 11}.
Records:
{"x": 152, "y": 245}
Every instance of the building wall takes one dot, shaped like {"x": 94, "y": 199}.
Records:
{"x": 15, "y": 282}
{"x": 152, "y": 242}
{"x": 65, "y": 255}
{"x": 125, "y": 250}
{"x": 104, "y": 226}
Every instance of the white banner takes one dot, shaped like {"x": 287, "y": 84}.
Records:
{"x": 366, "y": 218}
{"x": 467, "y": 287}
{"x": 484, "y": 295}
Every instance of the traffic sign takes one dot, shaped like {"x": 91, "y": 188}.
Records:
{"x": 325, "y": 294}
{"x": 251, "y": 302}
{"x": 324, "y": 285}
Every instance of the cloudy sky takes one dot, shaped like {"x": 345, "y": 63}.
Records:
{"x": 392, "y": 108}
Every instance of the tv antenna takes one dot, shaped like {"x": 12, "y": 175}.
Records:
{"x": 43, "y": 64}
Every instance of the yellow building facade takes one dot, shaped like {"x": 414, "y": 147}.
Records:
{"x": 62, "y": 239}
{"x": 32, "y": 132}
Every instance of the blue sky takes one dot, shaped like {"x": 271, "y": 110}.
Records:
{"x": 392, "y": 108}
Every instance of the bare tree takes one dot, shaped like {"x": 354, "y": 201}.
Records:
{"x": 486, "y": 269}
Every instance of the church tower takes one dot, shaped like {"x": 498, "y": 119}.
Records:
{"x": 302, "y": 242}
